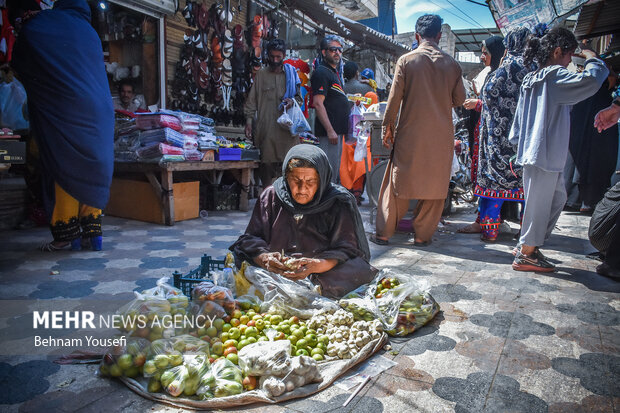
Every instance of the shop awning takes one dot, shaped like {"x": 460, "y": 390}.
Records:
{"x": 470, "y": 40}
{"x": 351, "y": 30}
{"x": 598, "y": 19}
{"x": 364, "y": 36}
{"x": 321, "y": 14}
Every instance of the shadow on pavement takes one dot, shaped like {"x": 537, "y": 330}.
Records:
{"x": 588, "y": 279}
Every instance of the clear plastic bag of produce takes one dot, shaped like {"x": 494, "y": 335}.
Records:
{"x": 183, "y": 379}
{"x": 225, "y": 278}
{"x": 300, "y": 371}
{"x": 156, "y": 313}
{"x": 266, "y": 358}
{"x": 220, "y": 297}
{"x": 164, "y": 289}
{"x": 401, "y": 302}
{"x": 249, "y": 302}
{"x": 125, "y": 360}
{"x": 144, "y": 317}
{"x": 208, "y": 309}
{"x": 188, "y": 344}
{"x": 164, "y": 354}
{"x": 292, "y": 298}
{"x": 224, "y": 379}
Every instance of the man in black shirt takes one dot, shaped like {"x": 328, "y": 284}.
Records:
{"x": 330, "y": 102}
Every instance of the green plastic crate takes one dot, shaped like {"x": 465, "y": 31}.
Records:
{"x": 185, "y": 282}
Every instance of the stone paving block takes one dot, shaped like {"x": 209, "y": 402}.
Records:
{"x": 487, "y": 392}
{"x": 121, "y": 400}
{"x": 589, "y": 404}
{"x": 389, "y": 384}
{"x": 329, "y": 399}
{"x": 552, "y": 386}
{"x": 419, "y": 401}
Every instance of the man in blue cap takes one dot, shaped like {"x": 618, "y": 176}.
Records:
{"x": 368, "y": 76}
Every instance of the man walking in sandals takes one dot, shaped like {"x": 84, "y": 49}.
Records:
{"x": 427, "y": 85}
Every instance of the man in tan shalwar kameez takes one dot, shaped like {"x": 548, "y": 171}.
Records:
{"x": 264, "y": 102}
{"x": 427, "y": 84}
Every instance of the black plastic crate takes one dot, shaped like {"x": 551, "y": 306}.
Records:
{"x": 220, "y": 197}
{"x": 185, "y": 282}
{"x": 250, "y": 154}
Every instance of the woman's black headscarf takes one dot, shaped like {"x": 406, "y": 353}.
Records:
{"x": 495, "y": 46}
{"x": 326, "y": 195}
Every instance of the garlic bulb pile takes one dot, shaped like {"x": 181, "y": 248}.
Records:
{"x": 346, "y": 336}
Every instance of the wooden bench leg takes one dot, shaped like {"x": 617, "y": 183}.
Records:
{"x": 245, "y": 187}
{"x": 167, "y": 197}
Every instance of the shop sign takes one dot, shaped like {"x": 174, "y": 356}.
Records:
{"x": 510, "y": 14}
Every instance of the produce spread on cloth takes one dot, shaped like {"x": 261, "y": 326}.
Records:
{"x": 278, "y": 340}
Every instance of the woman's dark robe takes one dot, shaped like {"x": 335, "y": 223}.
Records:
{"x": 325, "y": 235}
{"x": 59, "y": 59}
{"x": 595, "y": 153}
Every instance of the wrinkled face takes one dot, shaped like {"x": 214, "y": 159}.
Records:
{"x": 333, "y": 53}
{"x": 126, "y": 94}
{"x": 303, "y": 182}
{"x": 485, "y": 57}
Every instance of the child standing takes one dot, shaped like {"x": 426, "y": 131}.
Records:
{"x": 541, "y": 129}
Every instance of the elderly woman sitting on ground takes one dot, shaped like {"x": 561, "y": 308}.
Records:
{"x": 305, "y": 226}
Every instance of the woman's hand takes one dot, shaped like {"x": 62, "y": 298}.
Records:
{"x": 309, "y": 266}
{"x": 271, "y": 261}
{"x": 470, "y": 103}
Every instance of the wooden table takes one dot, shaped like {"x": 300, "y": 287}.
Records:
{"x": 241, "y": 170}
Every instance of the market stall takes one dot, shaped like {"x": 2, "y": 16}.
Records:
{"x": 152, "y": 149}
{"x": 264, "y": 338}
{"x": 212, "y": 51}
{"x": 164, "y": 187}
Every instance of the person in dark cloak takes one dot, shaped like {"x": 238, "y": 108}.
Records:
{"x": 305, "y": 216}
{"x": 59, "y": 59}
{"x": 604, "y": 232}
{"x": 492, "y": 52}
{"x": 594, "y": 153}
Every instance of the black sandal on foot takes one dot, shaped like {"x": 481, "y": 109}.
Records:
{"x": 73, "y": 245}
{"x": 379, "y": 241}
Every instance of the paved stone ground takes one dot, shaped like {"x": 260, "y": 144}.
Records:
{"x": 505, "y": 341}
